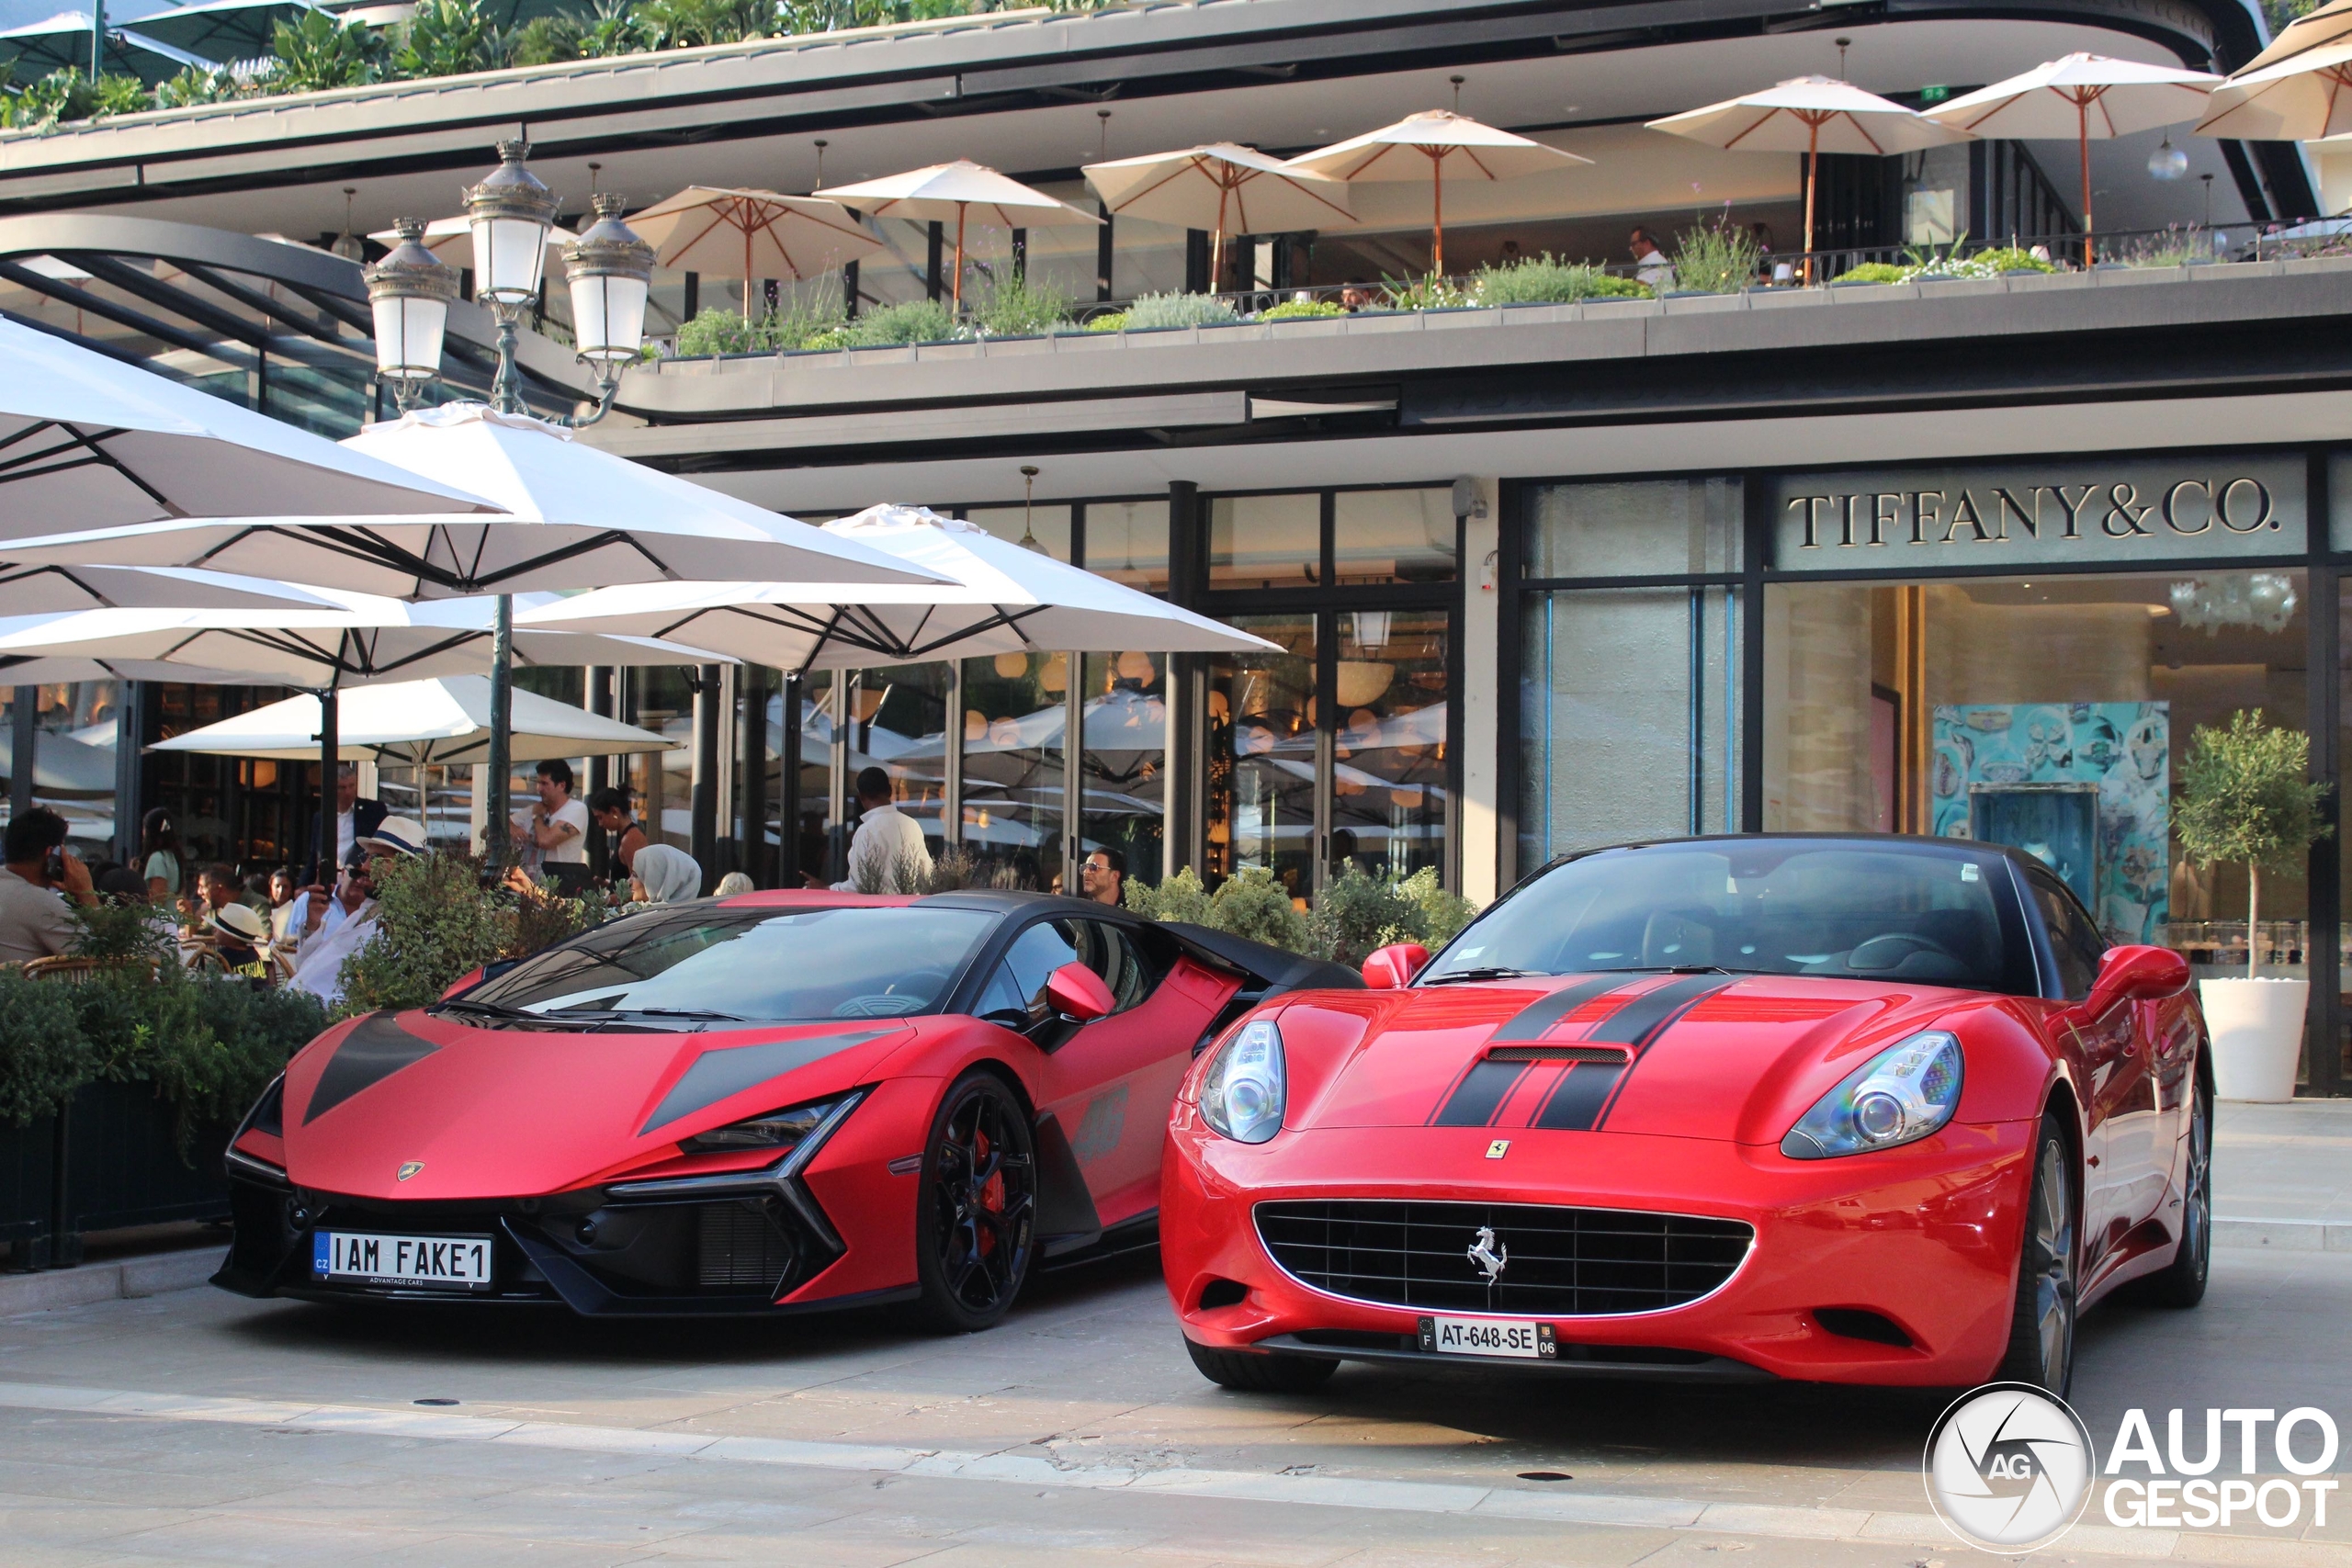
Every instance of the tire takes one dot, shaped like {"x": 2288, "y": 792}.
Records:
{"x": 976, "y": 1217}
{"x": 2041, "y": 1322}
{"x": 1261, "y": 1371}
{"x": 2182, "y": 1282}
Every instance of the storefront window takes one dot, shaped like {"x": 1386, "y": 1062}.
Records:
{"x": 1126, "y": 541}
{"x": 1388, "y": 771}
{"x": 1016, "y": 709}
{"x": 74, "y": 757}
{"x": 1628, "y": 717}
{"x": 1634, "y": 528}
{"x": 1393, "y": 536}
{"x": 897, "y": 722}
{"x": 2046, "y": 712}
{"x": 1044, "y": 528}
{"x": 1261, "y": 755}
{"x": 1123, "y": 774}
{"x": 1266, "y": 541}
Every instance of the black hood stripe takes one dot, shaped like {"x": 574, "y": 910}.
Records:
{"x": 1537, "y": 1018}
{"x": 372, "y": 1052}
{"x": 1700, "y": 988}
{"x": 1580, "y": 1102}
{"x": 1640, "y": 1020}
{"x": 716, "y": 1074}
{"x": 1577, "y": 1100}
{"x": 1480, "y": 1092}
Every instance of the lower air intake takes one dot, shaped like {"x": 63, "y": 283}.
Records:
{"x": 742, "y": 1245}
{"x": 1538, "y": 1260}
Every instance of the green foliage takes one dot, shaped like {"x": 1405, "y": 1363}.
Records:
{"x": 1172, "y": 311}
{"x": 42, "y": 1054}
{"x": 2243, "y": 797}
{"x": 1430, "y": 293}
{"x": 612, "y": 30}
{"x": 1442, "y": 914}
{"x": 66, "y": 94}
{"x": 319, "y": 51}
{"x": 1717, "y": 257}
{"x": 913, "y": 320}
{"x": 1542, "y": 281}
{"x": 447, "y": 37}
{"x": 436, "y": 923}
{"x": 1253, "y": 902}
{"x": 1302, "y": 310}
{"x": 714, "y": 331}
{"x": 1872, "y": 272}
{"x": 2176, "y": 246}
{"x": 542, "y": 41}
{"x": 2279, "y": 13}
{"x": 695, "y": 24}
{"x": 1106, "y": 321}
{"x": 195, "y": 85}
{"x": 1357, "y": 913}
{"x": 1180, "y": 897}
{"x": 113, "y": 933}
{"x": 1018, "y": 308}
{"x": 2013, "y": 258}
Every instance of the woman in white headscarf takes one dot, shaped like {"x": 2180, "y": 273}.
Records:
{"x": 662, "y": 874}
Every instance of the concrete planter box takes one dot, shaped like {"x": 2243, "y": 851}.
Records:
{"x": 111, "y": 1161}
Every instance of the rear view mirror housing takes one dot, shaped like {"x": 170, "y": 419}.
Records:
{"x": 1392, "y": 968}
{"x": 1077, "y": 993}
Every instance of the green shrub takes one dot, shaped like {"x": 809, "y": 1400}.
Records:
{"x": 714, "y": 331}
{"x": 1176, "y": 311}
{"x": 2012, "y": 258}
{"x": 1302, "y": 310}
{"x": 2244, "y": 798}
{"x": 1717, "y": 257}
{"x": 42, "y": 1054}
{"x": 1872, "y": 272}
{"x": 1018, "y": 308}
{"x": 1430, "y": 293}
{"x": 436, "y": 923}
{"x": 195, "y": 85}
{"x": 1106, "y": 321}
{"x": 1541, "y": 280}
{"x": 1442, "y": 914}
{"x": 319, "y": 52}
{"x": 914, "y": 321}
{"x": 66, "y": 94}
{"x": 447, "y": 37}
{"x": 543, "y": 41}
{"x": 1254, "y": 904}
{"x": 692, "y": 24}
{"x": 1180, "y": 897}
{"x": 1357, "y": 913}
{"x": 611, "y": 31}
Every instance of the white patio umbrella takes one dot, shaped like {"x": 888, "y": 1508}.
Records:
{"x": 1002, "y": 599}
{"x": 1811, "y": 115}
{"x": 2299, "y": 89}
{"x": 757, "y": 233}
{"x": 51, "y": 590}
{"x": 62, "y": 766}
{"x": 2083, "y": 95}
{"x": 413, "y": 723}
{"x": 89, "y": 442}
{"x": 450, "y": 238}
{"x": 574, "y": 517}
{"x": 223, "y": 30}
{"x": 951, "y": 190}
{"x": 1424, "y": 147}
{"x": 1218, "y": 187}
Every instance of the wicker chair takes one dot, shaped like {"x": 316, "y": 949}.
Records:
{"x": 64, "y": 969}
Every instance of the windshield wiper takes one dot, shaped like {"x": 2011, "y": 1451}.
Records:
{"x": 486, "y": 1010}
{"x": 605, "y": 1015}
{"x": 1492, "y": 974}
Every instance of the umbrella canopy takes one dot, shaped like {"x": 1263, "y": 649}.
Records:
{"x": 452, "y": 239}
{"x": 951, "y": 190}
{"x": 577, "y": 516}
{"x": 1220, "y": 186}
{"x": 1811, "y": 115}
{"x": 1003, "y": 599}
{"x": 221, "y": 29}
{"x": 62, "y": 42}
{"x": 2085, "y": 97}
{"x": 365, "y": 641}
{"x": 49, "y": 590}
{"x": 414, "y": 722}
{"x": 94, "y": 442}
{"x": 1426, "y": 146}
{"x": 2299, "y": 89}
{"x": 757, "y": 233}
{"x": 62, "y": 766}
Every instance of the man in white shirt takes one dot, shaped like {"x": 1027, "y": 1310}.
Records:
{"x": 350, "y": 924}
{"x": 42, "y": 875}
{"x": 1650, "y": 264}
{"x": 554, "y": 831}
{"x": 887, "y": 854}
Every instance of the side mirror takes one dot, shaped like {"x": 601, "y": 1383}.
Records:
{"x": 1392, "y": 968}
{"x": 1075, "y": 991}
{"x": 2136, "y": 974}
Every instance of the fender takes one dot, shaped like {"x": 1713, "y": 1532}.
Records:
{"x": 1065, "y": 1217}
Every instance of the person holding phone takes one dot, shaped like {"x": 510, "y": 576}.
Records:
{"x": 42, "y": 875}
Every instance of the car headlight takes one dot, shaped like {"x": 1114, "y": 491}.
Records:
{"x": 775, "y": 1130}
{"x": 1899, "y": 1096}
{"x": 1243, "y": 1095}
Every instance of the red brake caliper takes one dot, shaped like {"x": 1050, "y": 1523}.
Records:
{"x": 991, "y": 1195}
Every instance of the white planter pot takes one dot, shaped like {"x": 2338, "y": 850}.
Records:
{"x": 2257, "y": 1028}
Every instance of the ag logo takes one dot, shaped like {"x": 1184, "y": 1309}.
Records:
{"x": 2009, "y": 1467}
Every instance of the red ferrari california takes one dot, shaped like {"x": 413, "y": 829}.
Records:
{"x": 766, "y": 1104}
{"x": 1852, "y": 1109}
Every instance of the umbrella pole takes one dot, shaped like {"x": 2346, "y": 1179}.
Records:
{"x": 1437, "y": 215}
{"x": 2083, "y": 145}
{"x": 1812, "y": 180}
{"x": 957, "y": 296}
{"x": 330, "y": 764}
{"x": 496, "y": 831}
{"x": 1216, "y": 244}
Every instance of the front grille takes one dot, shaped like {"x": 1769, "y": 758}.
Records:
{"x": 740, "y": 1245}
{"x": 1557, "y": 1262}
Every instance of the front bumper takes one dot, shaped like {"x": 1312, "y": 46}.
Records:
{"x": 1918, "y": 1245}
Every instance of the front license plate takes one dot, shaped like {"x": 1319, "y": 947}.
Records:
{"x": 1518, "y": 1338}
{"x": 434, "y": 1262}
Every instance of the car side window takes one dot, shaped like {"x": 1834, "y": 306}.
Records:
{"x": 2074, "y": 941}
{"x": 1020, "y": 979}
{"x": 1112, "y": 953}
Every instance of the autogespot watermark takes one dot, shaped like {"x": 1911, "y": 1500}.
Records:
{"x": 2010, "y": 1468}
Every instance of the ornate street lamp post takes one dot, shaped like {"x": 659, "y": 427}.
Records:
{"x": 609, "y": 270}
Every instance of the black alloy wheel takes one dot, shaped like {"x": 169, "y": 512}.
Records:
{"x": 2041, "y": 1327}
{"x": 977, "y": 1218}
{"x": 2182, "y": 1282}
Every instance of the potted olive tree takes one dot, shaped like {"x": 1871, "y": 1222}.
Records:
{"x": 2246, "y": 799}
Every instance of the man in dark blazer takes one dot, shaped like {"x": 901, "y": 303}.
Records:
{"x": 354, "y": 820}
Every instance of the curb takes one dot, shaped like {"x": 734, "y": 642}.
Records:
{"x": 2284, "y": 1236}
{"x": 128, "y": 1278}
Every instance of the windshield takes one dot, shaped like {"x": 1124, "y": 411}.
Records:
{"x": 1912, "y": 912}
{"x": 767, "y": 965}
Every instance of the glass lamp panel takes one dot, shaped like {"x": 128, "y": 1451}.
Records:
{"x": 608, "y": 316}
{"x": 510, "y": 254}
{"x": 409, "y": 335}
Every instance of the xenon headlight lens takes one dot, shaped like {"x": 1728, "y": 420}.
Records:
{"x": 1897, "y": 1097}
{"x": 775, "y": 1130}
{"x": 1243, "y": 1095}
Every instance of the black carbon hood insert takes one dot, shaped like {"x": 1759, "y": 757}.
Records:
{"x": 371, "y": 1053}
{"x": 730, "y": 1070}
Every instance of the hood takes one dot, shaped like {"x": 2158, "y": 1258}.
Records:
{"x": 1688, "y": 1055}
{"x": 517, "y": 1112}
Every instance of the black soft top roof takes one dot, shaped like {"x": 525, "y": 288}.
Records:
{"x": 1269, "y": 969}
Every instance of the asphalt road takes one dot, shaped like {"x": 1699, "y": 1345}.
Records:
{"x": 197, "y": 1425}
